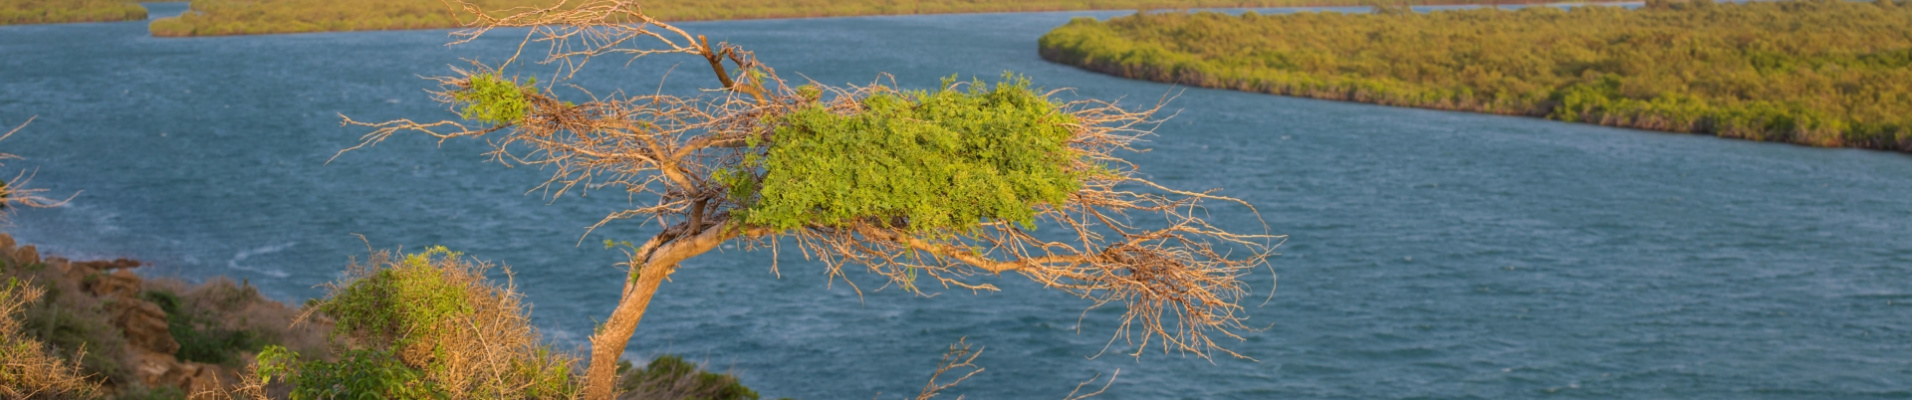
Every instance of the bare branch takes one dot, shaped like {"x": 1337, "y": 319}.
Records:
{"x": 960, "y": 359}
{"x": 1077, "y": 394}
{"x": 14, "y": 192}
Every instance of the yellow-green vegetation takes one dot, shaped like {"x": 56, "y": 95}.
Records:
{"x": 430, "y": 326}
{"x": 249, "y": 17}
{"x": 1817, "y": 72}
{"x": 492, "y": 99}
{"x": 946, "y": 160}
{"x": 426, "y": 325}
{"x": 13, "y": 12}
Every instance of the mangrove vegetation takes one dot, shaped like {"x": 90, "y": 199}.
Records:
{"x": 15, "y": 12}
{"x": 248, "y": 17}
{"x": 1816, "y": 72}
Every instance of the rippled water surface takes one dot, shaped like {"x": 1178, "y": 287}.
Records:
{"x": 1433, "y": 254}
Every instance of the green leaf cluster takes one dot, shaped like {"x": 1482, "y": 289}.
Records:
{"x": 1815, "y": 72}
{"x": 490, "y": 99}
{"x": 943, "y": 161}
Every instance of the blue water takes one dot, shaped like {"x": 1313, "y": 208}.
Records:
{"x": 1432, "y": 254}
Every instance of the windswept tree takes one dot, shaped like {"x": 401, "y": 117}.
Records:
{"x": 920, "y": 187}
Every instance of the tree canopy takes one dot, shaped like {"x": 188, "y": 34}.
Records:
{"x": 1815, "y": 72}
{"x": 948, "y": 161}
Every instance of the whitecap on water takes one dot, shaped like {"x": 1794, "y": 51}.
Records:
{"x": 241, "y": 256}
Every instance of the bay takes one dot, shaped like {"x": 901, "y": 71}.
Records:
{"x": 1432, "y": 254}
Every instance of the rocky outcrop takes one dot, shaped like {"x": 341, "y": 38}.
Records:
{"x": 150, "y": 346}
{"x": 144, "y": 325}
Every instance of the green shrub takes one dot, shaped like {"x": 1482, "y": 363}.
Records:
{"x": 670, "y": 377}
{"x": 200, "y": 338}
{"x": 359, "y": 374}
{"x": 436, "y": 315}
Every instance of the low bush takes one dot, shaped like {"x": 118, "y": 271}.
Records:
{"x": 670, "y": 377}
{"x": 27, "y": 369}
{"x": 427, "y": 324}
{"x": 202, "y": 339}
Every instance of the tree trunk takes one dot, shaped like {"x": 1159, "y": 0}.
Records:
{"x": 607, "y": 345}
{"x": 600, "y": 379}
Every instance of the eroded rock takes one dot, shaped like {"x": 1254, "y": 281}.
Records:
{"x": 144, "y": 325}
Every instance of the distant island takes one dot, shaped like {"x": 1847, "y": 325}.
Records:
{"x": 1815, "y": 72}
{"x": 252, "y": 17}
{"x": 19, "y": 12}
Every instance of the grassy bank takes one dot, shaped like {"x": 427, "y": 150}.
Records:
{"x": 246, "y": 17}
{"x": 1819, "y": 72}
{"x": 16, "y": 12}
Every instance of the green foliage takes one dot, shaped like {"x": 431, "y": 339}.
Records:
{"x": 410, "y": 300}
{"x": 200, "y": 338}
{"x": 946, "y": 160}
{"x": 493, "y": 100}
{"x": 358, "y": 374}
{"x": 1816, "y": 72}
{"x": 59, "y": 11}
{"x": 683, "y": 378}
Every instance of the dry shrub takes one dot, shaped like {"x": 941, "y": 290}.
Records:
{"x": 71, "y": 324}
{"x": 28, "y": 369}
{"x": 438, "y": 315}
